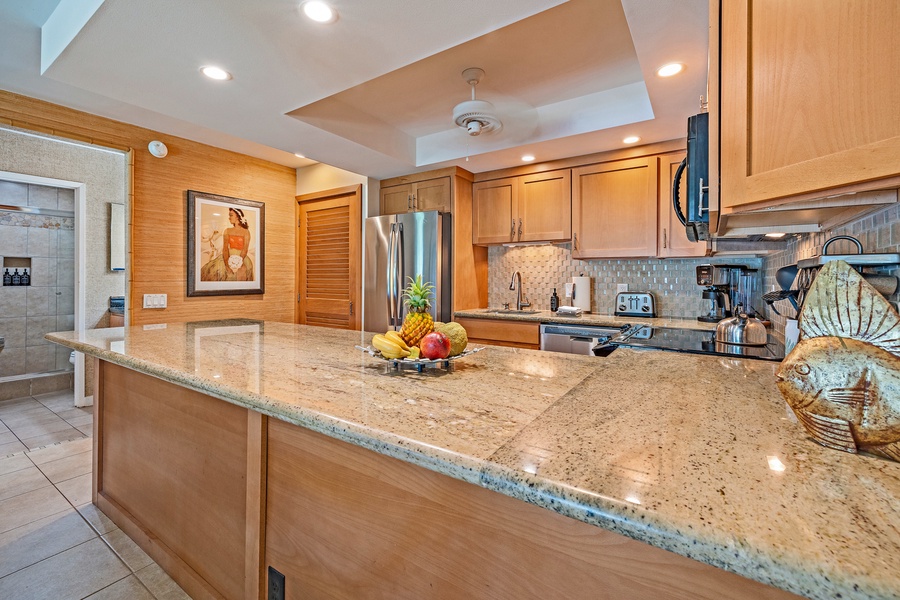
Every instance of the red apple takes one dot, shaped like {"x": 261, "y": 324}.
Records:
{"x": 435, "y": 345}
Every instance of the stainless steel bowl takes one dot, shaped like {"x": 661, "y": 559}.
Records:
{"x": 742, "y": 330}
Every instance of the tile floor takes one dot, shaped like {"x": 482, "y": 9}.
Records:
{"x": 55, "y": 544}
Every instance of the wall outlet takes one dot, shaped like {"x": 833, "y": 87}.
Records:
{"x": 155, "y": 300}
{"x": 621, "y": 287}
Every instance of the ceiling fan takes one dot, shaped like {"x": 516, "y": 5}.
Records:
{"x": 476, "y": 116}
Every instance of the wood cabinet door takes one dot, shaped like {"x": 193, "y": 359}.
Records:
{"x": 396, "y": 199}
{"x": 433, "y": 194}
{"x": 493, "y": 219}
{"x": 809, "y": 97}
{"x": 545, "y": 207}
{"x": 673, "y": 241}
{"x": 614, "y": 209}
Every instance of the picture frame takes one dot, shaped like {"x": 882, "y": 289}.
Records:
{"x": 226, "y": 245}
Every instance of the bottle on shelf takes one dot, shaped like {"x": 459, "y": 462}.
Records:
{"x": 16, "y": 278}
{"x": 26, "y": 277}
{"x": 7, "y": 278}
{"x": 554, "y": 301}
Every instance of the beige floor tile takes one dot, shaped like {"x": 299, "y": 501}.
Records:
{"x": 68, "y": 467}
{"x": 72, "y": 412}
{"x": 31, "y": 506}
{"x": 83, "y": 421}
{"x": 59, "y": 451}
{"x": 11, "y": 448}
{"x": 25, "y": 414}
{"x": 160, "y": 584}
{"x": 130, "y": 553}
{"x": 99, "y": 521}
{"x": 33, "y": 430}
{"x": 14, "y": 463}
{"x": 3, "y": 428}
{"x": 9, "y": 407}
{"x": 87, "y": 430}
{"x": 53, "y": 438}
{"x": 130, "y": 588}
{"x": 7, "y": 437}
{"x": 74, "y": 573}
{"x": 21, "y": 481}
{"x": 31, "y": 543}
{"x": 76, "y": 490}
{"x": 57, "y": 401}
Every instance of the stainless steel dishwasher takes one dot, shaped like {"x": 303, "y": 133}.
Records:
{"x": 576, "y": 339}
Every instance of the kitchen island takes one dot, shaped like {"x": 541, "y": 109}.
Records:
{"x": 225, "y": 448}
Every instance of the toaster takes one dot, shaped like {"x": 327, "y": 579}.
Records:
{"x": 635, "y": 304}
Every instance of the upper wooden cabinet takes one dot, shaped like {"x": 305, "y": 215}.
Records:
{"x": 528, "y": 208}
{"x": 614, "y": 209}
{"x": 429, "y": 194}
{"x": 673, "y": 241}
{"x": 808, "y": 99}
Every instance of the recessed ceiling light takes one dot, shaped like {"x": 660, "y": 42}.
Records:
{"x": 319, "y": 12}
{"x": 775, "y": 235}
{"x": 670, "y": 69}
{"x": 298, "y": 155}
{"x": 527, "y": 157}
{"x": 216, "y": 73}
{"x": 632, "y": 139}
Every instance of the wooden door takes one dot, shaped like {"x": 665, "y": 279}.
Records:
{"x": 329, "y": 258}
{"x": 433, "y": 194}
{"x": 545, "y": 207}
{"x": 396, "y": 199}
{"x": 614, "y": 209}
{"x": 673, "y": 241}
{"x": 493, "y": 209}
{"x": 809, "y": 97}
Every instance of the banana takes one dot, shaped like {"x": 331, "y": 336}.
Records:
{"x": 395, "y": 337}
{"x": 388, "y": 348}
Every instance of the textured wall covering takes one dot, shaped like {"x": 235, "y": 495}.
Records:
{"x": 673, "y": 282}
{"x": 877, "y": 232}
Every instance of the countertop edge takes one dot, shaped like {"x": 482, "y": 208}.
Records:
{"x": 606, "y": 514}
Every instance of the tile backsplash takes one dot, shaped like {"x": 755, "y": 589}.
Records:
{"x": 673, "y": 282}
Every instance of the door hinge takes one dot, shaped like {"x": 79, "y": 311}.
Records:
{"x": 298, "y": 297}
{"x": 351, "y": 309}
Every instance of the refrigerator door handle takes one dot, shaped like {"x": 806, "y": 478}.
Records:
{"x": 398, "y": 265}
{"x": 390, "y": 276}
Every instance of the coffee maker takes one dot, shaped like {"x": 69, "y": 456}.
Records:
{"x": 722, "y": 283}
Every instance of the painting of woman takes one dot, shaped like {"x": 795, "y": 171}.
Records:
{"x": 232, "y": 264}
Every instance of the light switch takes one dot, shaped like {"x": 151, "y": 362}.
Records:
{"x": 155, "y": 300}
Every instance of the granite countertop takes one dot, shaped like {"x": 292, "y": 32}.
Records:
{"x": 546, "y": 316}
{"x": 695, "y": 454}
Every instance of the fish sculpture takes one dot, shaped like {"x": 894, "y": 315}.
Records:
{"x": 842, "y": 379}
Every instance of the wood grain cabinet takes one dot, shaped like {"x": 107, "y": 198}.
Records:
{"x": 499, "y": 332}
{"x": 527, "y": 208}
{"x": 673, "y": 241}
{"x": 614, "y": 209}
{"x": 430, "y": 194}
{"x": 808, "y": 99}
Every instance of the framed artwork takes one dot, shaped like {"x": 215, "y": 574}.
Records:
{"x": 226, "y": 244}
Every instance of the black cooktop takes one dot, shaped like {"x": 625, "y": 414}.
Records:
{"x": 698, "y": 341}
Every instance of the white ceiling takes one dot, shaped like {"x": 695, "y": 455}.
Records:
{"x": 372, "y": 93}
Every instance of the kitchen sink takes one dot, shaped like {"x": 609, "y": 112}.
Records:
{"x": 512, "y": 311}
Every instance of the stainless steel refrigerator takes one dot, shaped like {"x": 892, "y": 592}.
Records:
{"x": 398, "y": 247}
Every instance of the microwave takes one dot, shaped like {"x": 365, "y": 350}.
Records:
{"x": 695, "y": 168}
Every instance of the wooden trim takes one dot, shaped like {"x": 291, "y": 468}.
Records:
{"x": 495, "y": 331}
{"x": 426, "y": 175}
{"x": 587, "y": 159}
{"x": 341, "y": 191}
{"x": 257, "y": 441}
{"x": 97, "y": 444}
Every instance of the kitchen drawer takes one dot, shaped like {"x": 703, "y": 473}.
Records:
{"x": 500, "y": 332}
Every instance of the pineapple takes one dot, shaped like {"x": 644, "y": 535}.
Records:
{"x": 418, "y": 322}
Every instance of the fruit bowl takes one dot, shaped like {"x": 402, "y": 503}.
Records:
{"x": 419, "y": 363}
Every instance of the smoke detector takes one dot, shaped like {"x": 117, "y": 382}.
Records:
{"x": 476, "y": 116}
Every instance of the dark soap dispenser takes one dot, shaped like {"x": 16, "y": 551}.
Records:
{"x": 554, "y": 301}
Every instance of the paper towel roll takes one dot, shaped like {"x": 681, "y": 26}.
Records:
{"x": 582, "y": 294}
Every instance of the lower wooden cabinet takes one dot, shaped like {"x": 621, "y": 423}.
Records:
{"x": 500, "y": 332}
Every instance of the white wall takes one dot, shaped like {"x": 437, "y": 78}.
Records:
{"x": 320, "y": 177}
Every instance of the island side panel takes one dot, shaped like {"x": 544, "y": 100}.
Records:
{"x": 344, "y": 523}
{"x": 173, "y": 475}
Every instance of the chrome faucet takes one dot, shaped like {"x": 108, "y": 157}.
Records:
{"x": 516, "y": 284}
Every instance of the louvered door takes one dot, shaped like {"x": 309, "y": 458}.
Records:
{"x": 329, "y": 259}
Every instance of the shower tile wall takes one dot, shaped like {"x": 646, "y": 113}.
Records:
{"x": 673, "y": 282}
{"x": 878, "y": 232}
{"x": 27, "y": 313}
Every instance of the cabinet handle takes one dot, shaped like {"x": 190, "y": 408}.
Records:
{"x": 575, "y": 245}
{"x": 409, "y": 202}
{"x": 512, "y": 230}
{"x": 665, "y": 238}
{"x": 520, "y": 229}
